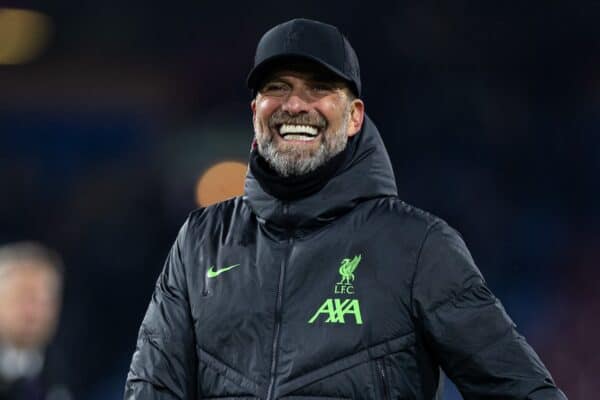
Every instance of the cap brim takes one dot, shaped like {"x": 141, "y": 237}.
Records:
{"x": 260, "y": 70}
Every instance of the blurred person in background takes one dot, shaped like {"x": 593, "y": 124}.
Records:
{"x": 30, "y": 300}
{"x": 320, "y": 282}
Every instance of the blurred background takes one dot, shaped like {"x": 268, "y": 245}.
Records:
{"x": 111, "y": 113}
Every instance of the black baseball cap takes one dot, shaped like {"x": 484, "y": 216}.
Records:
{"x": 310, "y": 40}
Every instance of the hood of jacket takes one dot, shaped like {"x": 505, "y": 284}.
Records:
{"x": 366, "y": 174}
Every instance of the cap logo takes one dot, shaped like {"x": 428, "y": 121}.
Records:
{"x": 293, "y": 37}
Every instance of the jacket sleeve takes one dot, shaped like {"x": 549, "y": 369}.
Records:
{"x": 468, "y": 330}
{"x": 163, "y": 365}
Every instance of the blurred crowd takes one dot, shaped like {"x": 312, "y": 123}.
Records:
{"x": 490, "y": 114}
{"x": 30, "y": 298}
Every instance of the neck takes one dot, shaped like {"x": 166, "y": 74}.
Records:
{"x": 291, "y": 188}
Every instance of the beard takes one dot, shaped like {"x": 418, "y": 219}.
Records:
{"x": 289, "y": 159}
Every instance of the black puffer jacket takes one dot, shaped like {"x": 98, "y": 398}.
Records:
{"x": 347, "y": 294}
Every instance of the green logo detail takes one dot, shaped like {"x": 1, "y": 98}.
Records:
{"x": 336, "y": 309}
{"x": 347, "y": 268}
{"x": 211, "y": 273}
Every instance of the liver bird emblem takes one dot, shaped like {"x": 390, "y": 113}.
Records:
{"x": 347, "y": 268}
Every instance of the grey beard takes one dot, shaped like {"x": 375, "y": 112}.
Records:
{"x": 294, "y": 163}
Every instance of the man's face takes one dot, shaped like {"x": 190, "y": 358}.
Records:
{"x": 303, "y": 117}
{"x": 29, "y": 305}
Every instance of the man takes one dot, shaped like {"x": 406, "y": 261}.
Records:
{"x": 30, "y": 294}
{"x": 320, "y": 283}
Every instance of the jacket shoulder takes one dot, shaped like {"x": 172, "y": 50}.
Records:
{"x": 427, "y": 228}
{"x": 405, "y": 215}
{"x": 216, "y": 212}
{"x": 218, "y": 218}
{"x": 403, "y": 224}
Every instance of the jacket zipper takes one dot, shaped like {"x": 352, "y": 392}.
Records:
{"x": 384, "y": 386}
{"x": 205, "y": 288}
{"x": 275, "y": 347}
{"x": 202, "y": 261}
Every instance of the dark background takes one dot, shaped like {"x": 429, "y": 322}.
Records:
{"x": 490, "y": 113}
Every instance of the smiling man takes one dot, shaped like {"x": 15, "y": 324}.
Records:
{"x": 303, "y": 116}
{"x": 319, "y": 283}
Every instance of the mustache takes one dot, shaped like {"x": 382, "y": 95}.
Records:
{"x": 283, "y": 117}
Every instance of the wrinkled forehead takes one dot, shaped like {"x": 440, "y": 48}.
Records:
{"x": 303, "y": 69}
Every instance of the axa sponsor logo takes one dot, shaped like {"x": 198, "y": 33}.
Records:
{"x": 336, "y": 310}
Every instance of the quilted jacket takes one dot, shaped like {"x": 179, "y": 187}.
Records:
{"x": 349, "y": 293}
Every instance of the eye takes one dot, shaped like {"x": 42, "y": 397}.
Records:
{"x": 321, "y": 87}
{"x": 274, "y": 88}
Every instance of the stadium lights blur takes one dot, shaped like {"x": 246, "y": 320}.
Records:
{"x": 24, "y": 34}
{"x": 220, "y": 182}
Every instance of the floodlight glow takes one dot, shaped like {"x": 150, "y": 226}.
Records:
{"x": 23, "y": 35}
{"x": 221, "y": 181}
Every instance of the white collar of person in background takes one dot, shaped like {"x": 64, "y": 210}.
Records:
{"x": 18, "y": 363}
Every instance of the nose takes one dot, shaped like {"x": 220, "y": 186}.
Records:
{"x": 296, "y": 102}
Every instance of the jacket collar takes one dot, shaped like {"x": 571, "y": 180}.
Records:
{"x": 367, "y": 174}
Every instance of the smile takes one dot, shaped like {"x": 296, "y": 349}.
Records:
{"x": 303, "y": 133}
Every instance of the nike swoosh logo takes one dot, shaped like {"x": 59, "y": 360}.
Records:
{"x": 212, "y": 272}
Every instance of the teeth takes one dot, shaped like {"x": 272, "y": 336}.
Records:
{"x": 298, "y": 137}
{"x": 305, "y": 129}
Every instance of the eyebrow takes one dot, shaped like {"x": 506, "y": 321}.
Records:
{"x": 312, "y": 78}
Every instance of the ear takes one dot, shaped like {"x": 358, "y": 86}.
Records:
{"x": 357, "y": 117}
{"x": 253, "y": 108}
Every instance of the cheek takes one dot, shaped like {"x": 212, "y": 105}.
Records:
{"x": 332, "y": 111}
{"x": 265, "y": 108}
